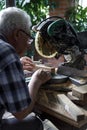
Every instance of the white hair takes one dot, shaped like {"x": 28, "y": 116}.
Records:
{"x": 13, "y": 18}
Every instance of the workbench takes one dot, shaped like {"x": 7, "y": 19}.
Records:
{"x": 48, "y": 106}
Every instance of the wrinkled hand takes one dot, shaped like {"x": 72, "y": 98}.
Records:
{"x": 27, "y": 63}
{"x": 40, "y": 77}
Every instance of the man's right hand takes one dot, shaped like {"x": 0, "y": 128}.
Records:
{"x": 27, "y": 63}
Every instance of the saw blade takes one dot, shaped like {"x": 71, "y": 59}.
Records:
{"x": 71, "y": 72}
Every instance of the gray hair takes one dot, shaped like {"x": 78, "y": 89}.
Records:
{"x": 13, "y": 18}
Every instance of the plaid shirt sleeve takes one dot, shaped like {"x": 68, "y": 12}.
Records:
{"x": 14, "y": 92}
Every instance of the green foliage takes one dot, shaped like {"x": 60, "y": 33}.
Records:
{"x": 2, "y": 4}
{"x": 78, "y": 17}
{"x": 37, "y": 9}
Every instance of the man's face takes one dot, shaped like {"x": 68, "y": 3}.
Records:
{"x": 23, "y": 41}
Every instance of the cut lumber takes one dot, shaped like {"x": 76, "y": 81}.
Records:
{"x": 76, "y": 113}
{"x": 76, "y": 100}
{"x": 42, "y": 66}
{"x": 80, "y": 92}
{"x": 72, "y": 97}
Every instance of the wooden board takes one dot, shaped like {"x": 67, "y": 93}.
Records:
{"x": 80, "y": 92}
{"x": 76, "y": 100}
{"x": 71, "y": 97}
{"x": 48, "y": 68}
{"x": 70, "y": 107}
{"x": 78, "y": 81}
{"x": 47, "y": 101}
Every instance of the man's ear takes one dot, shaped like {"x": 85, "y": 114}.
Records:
{"x": 16, "y": 34}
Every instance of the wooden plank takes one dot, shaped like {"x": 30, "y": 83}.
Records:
{"x": 80, "y": 92}
{"x": 78, "y": 80}
{"x": 71, "y": 108}
{"x": 76, "y": 100}
{"x": 42, "y": 66}
{"x": 57, "y": 110}
{"x": 72, "y": 97}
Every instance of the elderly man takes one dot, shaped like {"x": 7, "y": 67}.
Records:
{"x": 15, "y": 96}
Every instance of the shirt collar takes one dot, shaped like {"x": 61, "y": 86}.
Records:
{"x": 3, "y": 37}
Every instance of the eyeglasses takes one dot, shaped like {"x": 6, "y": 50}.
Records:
{"x": 28, "y": 34}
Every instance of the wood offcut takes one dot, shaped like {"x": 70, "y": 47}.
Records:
{"x": 71, "y": 108}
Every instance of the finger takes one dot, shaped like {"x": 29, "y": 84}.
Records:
{"x": 30, "y": 64}
{"x": 29, "y": 68}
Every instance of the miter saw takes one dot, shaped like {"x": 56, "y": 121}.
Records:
{"x": 56, "y": 36}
